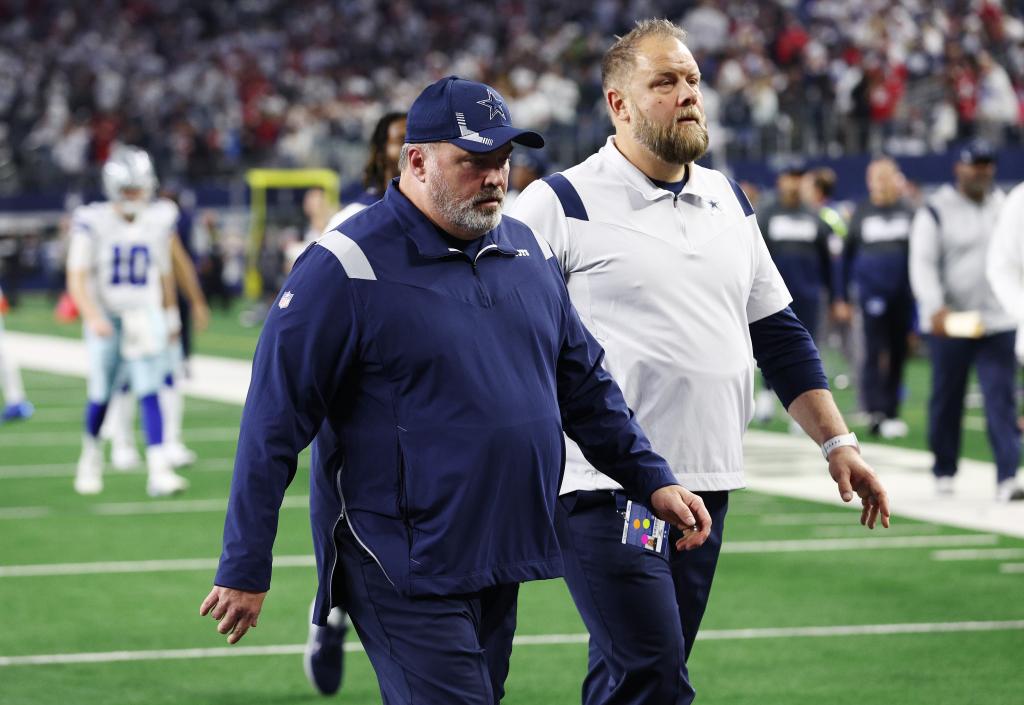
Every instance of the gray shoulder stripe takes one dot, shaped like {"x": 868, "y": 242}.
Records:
{"x": 349, "y": 255}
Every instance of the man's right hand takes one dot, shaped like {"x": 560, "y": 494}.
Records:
{"x": 100, "y": 326}
{"x": 236, "y": 610}
{"x": 939, "y": 321}
{"x": 685, "y": 511}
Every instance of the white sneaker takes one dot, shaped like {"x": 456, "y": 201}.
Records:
{"x": 124, "y": 457}
{"x": 178, "y": 455}
{"x": 764, "y": 406}
{"x": 165, "y": 484}
{"x": 89, "y": 474}
{"x": 893, "y": 428}
{"x": 1009, "y": 491}
{"x": 944, "y": 486}
{"x": 163, "y": 481}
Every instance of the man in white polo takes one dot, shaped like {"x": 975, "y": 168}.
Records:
{"x": 666, "y": 265}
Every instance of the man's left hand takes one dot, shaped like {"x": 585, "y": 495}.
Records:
{"x": 685, "y": 511}
{"x": 852, "y": 474}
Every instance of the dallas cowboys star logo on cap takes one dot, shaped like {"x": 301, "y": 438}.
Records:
{"x": 493, "y": 104}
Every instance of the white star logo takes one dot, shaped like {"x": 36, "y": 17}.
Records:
{"x": 494, "y": 105}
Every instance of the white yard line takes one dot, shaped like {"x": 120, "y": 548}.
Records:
{"x": 28, "y": 471}
{"x": 185, "y": 506}
{"x": 1011, "y": 568}
{"x": 119, "y": 567}
{"x": 981, "y": 554}
{"x": 808, "y": 519}
{"x": 862, "y": 544}
{"x": 521, "y": 641}
{"x": 756, "y": 547}
{"x": 25, "y": 512}
{"x": 170, "y": 506}
{"x": 856, "y": 530}
{"x": 74, "y": 438}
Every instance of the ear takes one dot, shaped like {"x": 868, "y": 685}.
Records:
{"x": 418, "y": 163}
{"x": 616, "y": 102}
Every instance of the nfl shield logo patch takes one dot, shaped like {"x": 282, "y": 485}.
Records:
{"x": 286, "y": 299}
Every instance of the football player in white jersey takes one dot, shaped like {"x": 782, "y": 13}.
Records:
{"x": 119, "y": 275}
{"x": 15, "y": 405}
{"x": 119, "y": 425}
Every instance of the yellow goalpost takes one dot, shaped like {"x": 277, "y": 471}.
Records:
{"x": 259, "y": 182}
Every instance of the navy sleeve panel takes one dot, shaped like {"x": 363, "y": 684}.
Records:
{"x": 742, "y": 198}
{"x": 595, "y": 415}
{"x": 572, "y": 204}
{"x": 307, "y": 342}
{"x": 787, "y": 356}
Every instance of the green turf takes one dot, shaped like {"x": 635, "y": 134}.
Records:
{"x": 159, "y": 610}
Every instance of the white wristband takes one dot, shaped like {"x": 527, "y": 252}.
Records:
{"x": 845, "y": 439}
{"x": 173, "y": 317}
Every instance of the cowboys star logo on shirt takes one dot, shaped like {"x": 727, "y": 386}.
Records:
{"x": 494, "y": 105}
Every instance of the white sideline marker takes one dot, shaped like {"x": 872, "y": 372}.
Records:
{"x": 981, "y": 554}
{"x": 798, "y": 545}
{"x": 525, "y": 640}
{"x": 115, "y": 567}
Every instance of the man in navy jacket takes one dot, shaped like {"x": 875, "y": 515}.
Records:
{"x": 430, "y": 348}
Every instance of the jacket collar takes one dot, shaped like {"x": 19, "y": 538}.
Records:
{"x": 424, "y": 234}
{"x": 696, "y": 188}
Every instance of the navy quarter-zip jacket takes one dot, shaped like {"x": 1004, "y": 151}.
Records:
{"x": 437, "y": 388}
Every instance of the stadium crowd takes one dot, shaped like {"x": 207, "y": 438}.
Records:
{"x": 209, "y": 88}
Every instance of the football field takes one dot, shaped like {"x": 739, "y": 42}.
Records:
{"x": 99, "y": 596}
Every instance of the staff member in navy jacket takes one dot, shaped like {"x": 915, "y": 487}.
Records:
{"x": 875, "y": 258}
{"x": 430, "y": 348}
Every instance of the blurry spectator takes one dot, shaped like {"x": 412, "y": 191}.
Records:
{"x": 875, "y": 260}
{"x": 998, "y": 109}
{"x": 213, "y": 88}
{"x": 967, "y": 327}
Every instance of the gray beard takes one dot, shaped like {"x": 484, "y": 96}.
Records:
{"x": 676, "y": 144}
{"x": 464, "y": 214}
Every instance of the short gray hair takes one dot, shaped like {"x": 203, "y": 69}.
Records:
{"x": 403, "y": 158}
{"x": 620, "y": 59}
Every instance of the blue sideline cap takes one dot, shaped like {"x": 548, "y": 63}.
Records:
{"x": 468, "y": 114}
{"x": 978, "y": 151}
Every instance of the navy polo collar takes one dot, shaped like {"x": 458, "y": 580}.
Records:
{"x": 424, "y": 234}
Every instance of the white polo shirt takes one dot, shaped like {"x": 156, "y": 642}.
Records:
{"x": 668, "y": 285}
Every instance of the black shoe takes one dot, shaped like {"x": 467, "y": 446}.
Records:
{"x": 324, "y": 658}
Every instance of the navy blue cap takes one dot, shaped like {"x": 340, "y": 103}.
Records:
{"x": 468, "y": 114}
{"x": 977, "y": 151}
